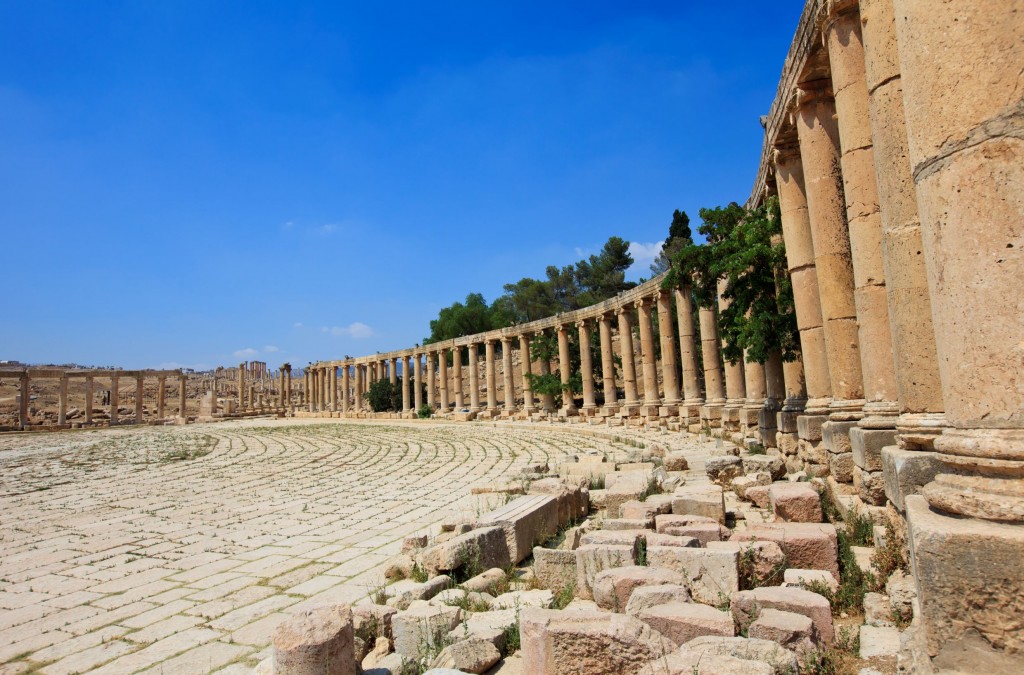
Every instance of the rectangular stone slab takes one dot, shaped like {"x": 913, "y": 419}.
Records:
{"x": 527, "y": 521}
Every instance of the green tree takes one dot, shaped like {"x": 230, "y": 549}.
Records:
{"x": 384, "y": 396}
{"x": 459, "y": 319}
{"x": 679, "y": 235}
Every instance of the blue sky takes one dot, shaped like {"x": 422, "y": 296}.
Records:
{"x": 199, "y": 183}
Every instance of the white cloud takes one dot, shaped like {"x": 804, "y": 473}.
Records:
{"x": 644, "y": 254}
{"x": 329, "y": 228}
{"x": 355, "y": 330}
{"x": 297, "y": 324}
{"x": 270, "y": 349}
{"x": 245, "y": 353}
{"x": 289, "y": 225}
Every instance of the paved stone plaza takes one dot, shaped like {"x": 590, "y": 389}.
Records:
{"x": 179, "y": 549}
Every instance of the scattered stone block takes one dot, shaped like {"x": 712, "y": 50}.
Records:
{"x": 795, "y": 502}
{"x": 789, "y": 629}
{"x": 758, "y": 495}
{"x": 722, "y": 469}
{"x": 373, "y": 620}
{"x": 526, "y": 522}
{"x": 486, "y": 547}
{"x": 538, "y": 597}
{"x": 627, "y": 487}
{"x": 675, "y": 461}
{"x": 460, "y": 596}
{"x": 879, "y": 641}
{"x": 801, "y": 578}
{"x": 773, "y": 465}
{"x": 597, "y": 643}
{"x": 317, "y": 641}
{"x": 700, "y": 500}
{"x": 741, "y": 484}
{"x": 806, "y": 545}
{"x": 592, "y": 559}
{"x": 554, "y": 568}
{"x": 662, "y": 522}
{"x": 685, "y": 662}
{"x": 703, "y": 532}
{"x": 486, "y": 581}
{"x": 710, "y": 575}
{"x": 655, "y": 504}
{"x": 420, "y": 625}
{"x": 906, "y": 471}
{"x": 628, "y": 524}
{"x": 751, "y": 650}
{"x": 902, "y": 593}
{"x": 747, "y": 605}
{"x": 475, "y": 655}
{"x": 415, "y": 542}
{"x": 573, "y": 499}
{"x": 490, "y": 626}
{"x": 612, "y": 588}
{"x": 404, "y": 593}
{"x": 644, "y": 597}
{"x": 760, "y": 562}
{"x": 684, "y": 621}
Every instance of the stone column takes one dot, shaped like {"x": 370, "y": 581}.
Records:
{"x": 819, "y": 149}
{"x": 442, "y": 374}
{"x": 431, "y": 380}
{"x": 547, "y": 401}
{"x": 182, "y": 396}
{"x": 586, "y": 365}
{"x": 714, "y": 390}
{"x": 88, "y": 399}
{"x": 325, "y": 389}
{"x": 564, "y": 371}
{"x": 140, "y": 381}
{"x": 648, "y": 358}
{"x": 460, "y": 399}
{"x": 113, "y": 399}
{"x": 906, "y": 278}
{"x": 611, "y": 394}
{"x": 334, "y": 388}
{"x": 474, "y": 377}
{"x": 161, "y": 391}
{"x": 288, "y": 390}
{"x": 775, "y": 386}
{"x": 417, "y": 376}
{"x": 735, "y": 386}
{"x": 490, "y": 376}
{"x": 627, "y": 354}
{"x": 509, "y": 398}
{"x": 393, "y": 372}
{"x": 961, "y": 72}
{"x": 241, "y": 387}
{"x": 62, "y": 401}
{"x": 406, "y": 386}
{"x": 524, "y": 363}
{"x": 689, "y": 411}
{"x": 357, "y": 404}
{"x": 667, "y": 337}
{"x": 756, "y": 386}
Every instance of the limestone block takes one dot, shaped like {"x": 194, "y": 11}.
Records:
{"x": 722, "y": 469}
{"x": 756, "y": 653}
{"x": 486, "y": 546}
{"x": 598, "y": 499}
{"x": 592, "y": 559}
{"x": 836, "y": 436}
{"x": 654, "y": 539}
{"x": 664, "y": 521}
{"x": 801, "y": 578}
{"x": 809, "y": 427}
{"x": 795, "y": 502}
{"x": 526, "y": 521}
{"x": 870, "y": 486}
{"x": 458, "y": 596}
{"x": 618, "y": 524}
{"x": 537, "y": 597}
{"x": 877, "y": 610}
{"x": 627, "y": 488}
{"x": 314, "y": 642}
{"x": 773, "y": 465}
{"x": 867, "y": 446}
{"x": 758, "y": 495}
{"x": 969, "y": 575}
{"x": 490, "y": 626}
{"x": 746, "y": 607}
{"x": 655, "y": 504}
{"x": 879, "y": 641}
{"x": 906, "y": 472}
{"x": 644, "y": 597}
{"x": 840, "y": 466}
{"x": 676, "y": 461}
{"x": 615, "y": 537}
{"x": 741, "y": 484}
{"x": 700, "y": 500}
{"x": 475, "y": 655}
{"x": 709, "y": 574}
{"x": 703, "y": 532}
{"x": 373, "y": 619}
{"x": 422, "y": 624}
{"x": 684, "y": 621}
{"x": 760, "y": 561}
{"x": 902, "y": 594}
{"x": 788, "y": 629}
{"x": 573, "y": 499}
{"x": 404, "y": 593}
{"x": 806, "y": 545}
{"x": 613, "y": 587}
{"x": 690, "y": 663}
{"x": 597, "y": 643}
{"x": 485, "y": 581}
{"x": 554, "y": 568}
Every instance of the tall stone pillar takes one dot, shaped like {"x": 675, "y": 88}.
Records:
{"x": 346, "y": 383}
{"x": 182, "y": 396}
{"x": 961, "y": 72}
{"x": 140, "y": 391}
{"x": 431, "y": 380}
{"x": 334, "y": 387}
{"x": 689, "y": 411}
{"x": 460, "y": 400}
{"x": 88, "y": 399}
{"x": 442, "y": 374}
{"x": 357, "y": 404}
{"x": 775, "y": 386}
{"x": 393, "y": 370}
{"x": 652, "y": 401}
{"x": 714, "y": 389}
{"x": 241, "y": 387}
{"x": 474, "y": 377}
{"x": 62, "y": 401}
{"x": 906, "y": 277}
{"x": 524, "y": 363}
{"x": 547, "y": 401}
{"x": 113, "y": 400}
{"x": 564, "y": 371}
{"x": 490, "y": 376}
{"x": 819, "y": 149}
{"x": 289, "y": 400}
{"x": 628, "y": 357}
{"x": 586, "y": 365}
{"x": 756, "y": 386}
{"x": 611, "y": 393}
{"x": 406, "y": 386}
{"x": 667, "y": 337}
{"x": 161, "y": 392}
{"x": 509, "y": 394}
{"x": 735, "y": 386}
{"x": 417, "y": 376}
{"x": 325, "y": 389}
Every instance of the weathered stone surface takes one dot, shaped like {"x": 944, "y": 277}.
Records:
{"x": 421, "y": 625}
{"x": 741, "y": 484}
{"x": 703, "y": 532}
{"x": 801, "y": 578}
{"x": 526, "y": 521}
{"x": 878, "y": 641}
{"x": 761, "y": 562}
{"x": 758, "y": 494}
{"x": 684, "y": 662}
{"x": 597, "y": 643}
{"x": 795, "y": 502}
{"x": 613, "y": 537}
{"x": 806, "y": 545}
{"x": 867, "y": 446}
{"x": 773, "y": 465}
{"x": 486, "y": 546}
{"x": 373, "y": 620}
{"x": 877, "y": 610}
{"x": 554, "y": 568}
{"x": 646, "y": 510}
{"x": 613, "y": 588}
{"x": 751, "y": 650}
{"x": 404, "y": 593}
{"x": 870, "y": 486}
{"x": 676, "y": 461}
{"x": 536, "y": 597}
{"x": 710, "y": 575}
{"x": 722, "y": 469}
{"x": 485, "y": 581}
{"x": 906, "y": 471}
{"x": 747, "y": 605}
{"x": 662, "y": 522}
{"x": 840, "y": 466}
{"x": 902, "y": 594}
{"x": 684, "y": 621}
{"x": 700, "y": 500}
{"x": 460, "y": 596}
{"x": 628, "y": 524}
{"x": 627, "y": 487}
{"x": 573, "y": 499}
{"x": 644, "y": 597}
{"x": 490, "y": 626}
{"x": 474, "y": 655}
{"x": 788, "y": 629}
{"x": 316, "y": 641}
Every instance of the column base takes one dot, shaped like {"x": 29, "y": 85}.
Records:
{"x": 918, "y": 431}
{"x": 835, "y": 436}
{"x": 711, "y": 415}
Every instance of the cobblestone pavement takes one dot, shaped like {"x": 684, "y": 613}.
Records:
{"x": 179, "y": 549}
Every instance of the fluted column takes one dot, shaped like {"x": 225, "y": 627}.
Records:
{"x": 417, "y": 377}
{"x": 431, "y": 380}
{"x": 564, "y": 368}
{"x": 611, "y": 394}
{"x": 161, "y": 392}
{"x": 62, "y": 400}
{"x": 714, "y": 389}
{"x": 586, "y": 365}
{"x": 509, "y": 394}
{"x": 442, "y": 375}
{"x": 648, "y": 358}
{"x": 524, "y": 362}
{"x": 628, "y": 355}
{"x": 667, "y": 337}
{"x": 88, "y": 398}
{"x": 460, "y": 400}
{"x": 182, "y": 396}
{"x": 474, "y": 377}
{"x": 113, "y": 399}
{"x": 491, "y": 376}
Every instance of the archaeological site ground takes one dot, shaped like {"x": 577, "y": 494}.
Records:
{"x": 634, "y": 487}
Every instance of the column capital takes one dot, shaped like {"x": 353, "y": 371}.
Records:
{"x": 833, "y": 10}
{"x": 585, "y": 322}
{"x": 813, "y": 91}
{"x": 643, "y": 302}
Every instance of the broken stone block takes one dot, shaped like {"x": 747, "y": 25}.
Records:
{"x": 879, "y": 641}
{"x": 573, "y": 499}
{"x": 758, "y": 494}
{"x": 627, "y": 487}
{"x": 373, "y": 620}
{"x": 703, "y": 532}
{"x": 751, "y": 650}
{"x": 684, "y": 662}
{"x": 877, "y": 610}
{"x": 747, "y": 605}
{"x": 810, "y": 546}
{"x": 592, "y": 559}
{"x": 645, "y": 510}
{"x": 710, "y": 575}
{"x": 459, "y": 597}
{"x": 485, "y": 581}
{"x": 526, "y": 521}
{"x": 684, "y": 621}
{"x": 801, "y": 578}
{"x": 773, "y": 465}
{"x": 537, "y": 597}
{"x": 722, "y": 469}
{"x": 700, "y": 500}
{"x": 613, "y": 537}
{"x": 628, "y": 524}
{"x": 404, "y": 593}
{"x": 597, "y": 643}
{"x": 317, "y": 641}
{"x": 644, "y": 597}
{"x": 761, "y": 562}
{"x": 906, "y": 471}
{"x": 475, "y": 655}
{"x": 662, "y": 522}
{"x": 789, "y": 629}
{"x": 795, "y": 502}
{"x": 840, "y": 466}
{"x": 422, "y": 624}
{"x": 490, "y": 626}
{"x": 867, "y": 446}
{"x": 612, "y": 588}
{"x": 484, "y": 547}
{"x": 675, "y": 461}
{"x": 554, "y": 568}
{"x": 741, "y": 484}
{"x": 870, "y": 486}
{"x": 902, "y": 594}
